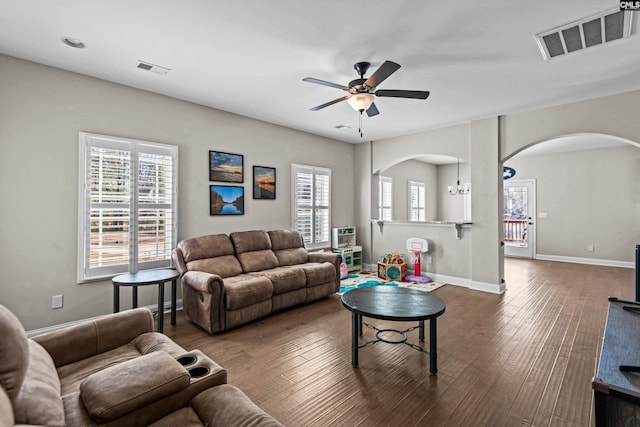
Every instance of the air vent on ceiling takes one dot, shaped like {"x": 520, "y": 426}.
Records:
{"x": 153, "y": 68}
{"x": 604, "y": 27}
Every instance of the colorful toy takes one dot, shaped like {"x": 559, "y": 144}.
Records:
{"x": 344, "y": 272}
{"x": 416, "y": 246}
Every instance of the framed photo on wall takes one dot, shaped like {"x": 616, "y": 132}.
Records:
{"x": 264, "y": 182}
{"x": 226, "y": 200}
{"x": 226, "y": 167}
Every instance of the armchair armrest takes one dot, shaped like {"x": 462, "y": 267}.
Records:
{"x": 331, "y": 257}
{"x": 202, "y": 281}
{"x": 226, "y": 405}
{"x": 178, "y": 259}
{"x": 131, "y": 385}
{"x": 203, "y": 299}
{"x": 95, "y": 336}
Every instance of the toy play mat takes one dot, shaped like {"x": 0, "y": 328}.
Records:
{"x": 370, "y": 278}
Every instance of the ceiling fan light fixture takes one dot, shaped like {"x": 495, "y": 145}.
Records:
{"x": 361, "y": 101}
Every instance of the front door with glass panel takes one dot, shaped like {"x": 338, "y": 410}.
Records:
{"x": 518, "y": 225}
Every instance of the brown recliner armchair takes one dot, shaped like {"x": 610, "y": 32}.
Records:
{"x": 113, "y": 371}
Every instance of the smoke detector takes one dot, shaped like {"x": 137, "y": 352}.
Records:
{"x": 604, "y": 27}
{"x": 153, "y": 68}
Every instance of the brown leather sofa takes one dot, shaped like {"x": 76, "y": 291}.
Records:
{"x": 114, "y": 371}
{"x": 231, "y": 280}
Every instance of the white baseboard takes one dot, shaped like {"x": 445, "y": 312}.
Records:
{"x": 494, "y": 288}
{"x": 153, "y": 308}
{"x": 590, "y": 261}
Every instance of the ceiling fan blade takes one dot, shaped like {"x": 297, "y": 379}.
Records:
{"x": 373, "y": 111}
{"x": 415, "y": 94}
{"x": 335, "y": 101}
{"x": 325, "y": 83}
{"x": 381, "y": 74}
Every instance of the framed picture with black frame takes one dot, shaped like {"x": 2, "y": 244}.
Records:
{"x": 226, "y": 167}
{"x": 264, "y": 183}
{"x": 226, "y": 200}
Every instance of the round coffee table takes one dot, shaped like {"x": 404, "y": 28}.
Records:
{"x": 396, "y": 304}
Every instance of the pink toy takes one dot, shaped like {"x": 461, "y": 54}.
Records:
{"x": 344, "y": 272}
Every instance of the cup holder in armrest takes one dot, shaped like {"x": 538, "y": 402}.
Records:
{"x": 198, "y": 372}
{"x": 204, "y": 372}
{"x": 186, "y": 359}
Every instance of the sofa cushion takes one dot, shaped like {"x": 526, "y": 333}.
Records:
{"x": 319, "y": 273}
{"x": 212, "y": 254}
{"x": 211, "y": 246}
{"x": 244, "y": 290}
{"x": 96, "y": 336}
{"x": 257, "y": 261}
{"x": 13, "y": 358}
{"x": 223, "y": 266}
{"x": 253, "y": 249}
{"x": 284, "y": 279}
{"x": 292, "y": 256}
{"x": 288, "y": 247}
{"x": 285, "y": 239}
{"x": 39, "y": 400}
{"x": 249, "y": 241}
{"x": 125, "y": 387}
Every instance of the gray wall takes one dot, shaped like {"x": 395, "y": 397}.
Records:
{"x": 441, "y": 206}
{"x": 485, "y": 144}
{"x": 413, "y": 170}
{"x": 42, "y": 109}
{"x": 451, "y": 208}
{"x": 590, "y": 198}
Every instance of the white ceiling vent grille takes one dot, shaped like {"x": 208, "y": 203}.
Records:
{"x": 153, "y": 68}
{"x": 604, "y": 27}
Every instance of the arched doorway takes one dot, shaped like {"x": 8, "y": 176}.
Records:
{"x": 588, "y": 198}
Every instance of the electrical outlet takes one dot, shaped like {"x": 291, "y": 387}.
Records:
{"x": 429, "y": 260}
{"x": 590, "y": 248}
{"x": 56, "y": 301}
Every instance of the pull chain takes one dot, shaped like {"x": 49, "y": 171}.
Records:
{"x": 360, "y": 124}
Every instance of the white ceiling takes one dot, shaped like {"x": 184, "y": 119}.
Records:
{"x": 478, "y": 58}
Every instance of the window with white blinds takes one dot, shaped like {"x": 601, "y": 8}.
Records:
{"x": 384, "y": 198}
{"x": 311, "y": 204}
{"x": 416, "y": 201}
{"x": 128, "y": 201}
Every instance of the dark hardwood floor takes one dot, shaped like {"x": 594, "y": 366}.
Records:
{"x": 524, "y": 358}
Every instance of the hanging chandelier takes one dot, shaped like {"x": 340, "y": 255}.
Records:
{"x": 459, "y": 189}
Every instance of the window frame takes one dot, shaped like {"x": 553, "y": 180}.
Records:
{"x": 311, "y": 241}
{"x": 134, "y": 147}
{"x": 410, "y": 208}
{"x": 382, "y": 208}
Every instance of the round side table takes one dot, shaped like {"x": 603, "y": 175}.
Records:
{"x": 143, "y": 278}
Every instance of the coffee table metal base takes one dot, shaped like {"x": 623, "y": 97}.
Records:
{"x": 356, "y": 319}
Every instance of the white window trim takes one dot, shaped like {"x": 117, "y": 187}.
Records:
{"x": 315, "y": 171}
{"x": 86, "y": 141}
{"x": 410, "y": 207}
{"x": 381, "y": 181}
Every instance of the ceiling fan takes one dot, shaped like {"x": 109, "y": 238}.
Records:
{"x": 362, "y": 91}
